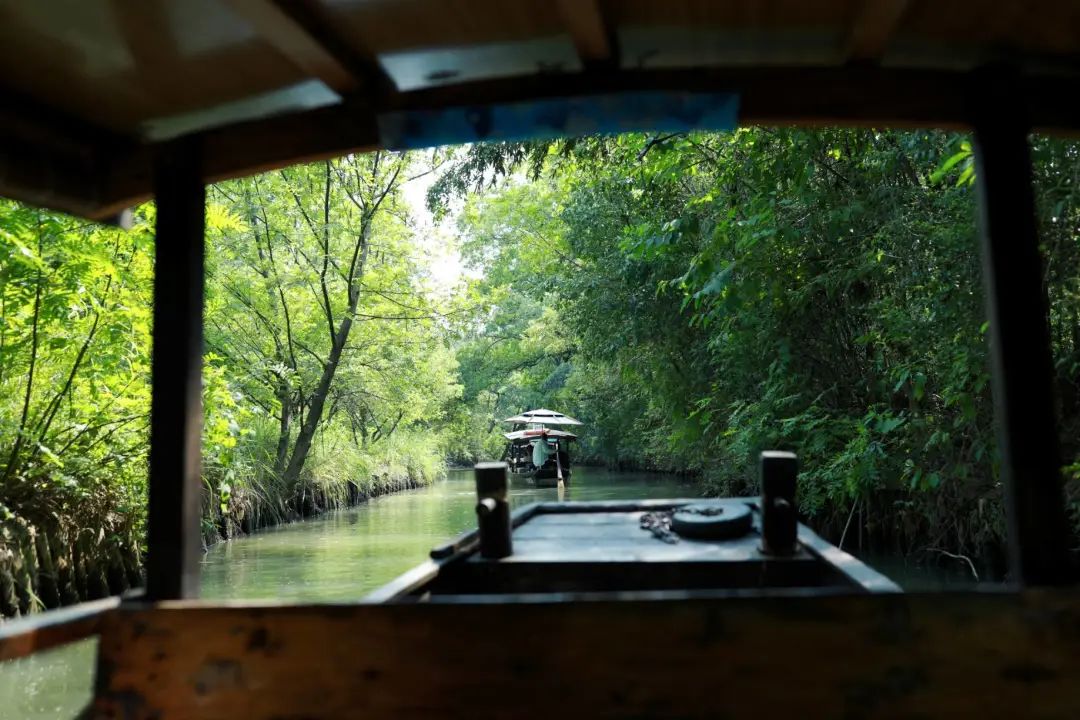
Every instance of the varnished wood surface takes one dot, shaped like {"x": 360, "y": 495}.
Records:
{"x": 884, "y": 656}
{"x": 34, "y": 633}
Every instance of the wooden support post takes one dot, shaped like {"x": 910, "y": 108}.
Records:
{"x": 493, "y": 510}
{"x": 176, "y": 404}
{"x": 1022, "y": 367}
{"x": 779, "y": 521}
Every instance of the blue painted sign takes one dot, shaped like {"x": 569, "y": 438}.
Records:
{"x": 560, "y": 117}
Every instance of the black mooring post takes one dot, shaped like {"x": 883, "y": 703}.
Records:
{"x": 172, "y": 562}
{"x": 779, "y": 517}
{"x": 493, "y": 510}
{"x": 1021, "y": 362}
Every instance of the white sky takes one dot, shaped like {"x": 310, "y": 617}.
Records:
{"x": 438, "y": 240}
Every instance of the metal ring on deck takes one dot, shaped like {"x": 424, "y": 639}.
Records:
{"x": 717, "y": 520}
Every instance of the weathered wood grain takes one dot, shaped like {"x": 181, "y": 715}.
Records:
{"x": 874, "y": 656}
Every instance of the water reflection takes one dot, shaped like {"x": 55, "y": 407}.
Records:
{"x": 52, "y": 684}
{"x": 341, "y": 556}
{"x": 346, "y": 554}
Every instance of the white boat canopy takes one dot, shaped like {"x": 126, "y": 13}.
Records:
{"x": 534, "y": 434}
{"x": 542, "y": 416}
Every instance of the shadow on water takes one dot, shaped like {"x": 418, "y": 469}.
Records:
{"x": 926, "y": 575}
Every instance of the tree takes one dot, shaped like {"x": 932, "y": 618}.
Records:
{"x": 316, "y": 304}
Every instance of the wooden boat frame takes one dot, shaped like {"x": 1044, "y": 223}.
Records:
{"x": 536, "y": 474}
{"x": 166, "y": 655}
{"x": 428, "y": 582}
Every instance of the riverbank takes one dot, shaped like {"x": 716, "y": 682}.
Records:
{"x": 48, "y": 560}
{"x": 58, "y": 548}
{"x": 248, "y": 512}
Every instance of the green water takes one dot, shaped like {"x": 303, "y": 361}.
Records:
{"x": 345, "y": 554}
{"x": 339, "y": 556}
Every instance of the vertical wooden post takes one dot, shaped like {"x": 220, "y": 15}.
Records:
{"x": 779, "y": 519}
{"x": 176, "y": 396}
{"x": 493, "y": 510}
{"x": 1022, "y": 366}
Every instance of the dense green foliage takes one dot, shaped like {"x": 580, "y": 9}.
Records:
{"x": 698, "y": 298}
{"x": 318, "y": 318}
{"x": 693, "y": 298}
{"x": 74, "y": 333}
{"x": 328, "y": 375}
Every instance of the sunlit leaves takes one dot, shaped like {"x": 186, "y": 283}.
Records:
{"x": 964, "y": 163}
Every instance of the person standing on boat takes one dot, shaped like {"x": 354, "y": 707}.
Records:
{"x": 541, "y": 453}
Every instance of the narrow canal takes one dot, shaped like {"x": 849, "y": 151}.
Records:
{"x": 339, "y": 556}
{"x": 345, "y": 554}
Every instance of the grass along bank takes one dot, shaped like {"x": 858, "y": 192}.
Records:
{"x": 246, "y": 495}
{"x": 62, "y": 549}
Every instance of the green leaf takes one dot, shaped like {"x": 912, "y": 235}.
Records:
{"x": 948, "y": 165}
{"x": 967, "y": 177}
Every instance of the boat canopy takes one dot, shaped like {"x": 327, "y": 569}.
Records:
{"x": 545, "y": 417}
{"x": 93, "y": 90}
{"x": 539, "y": 432}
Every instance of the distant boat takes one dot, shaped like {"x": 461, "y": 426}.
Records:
{"x": 537, "y": 452}
{"x": 542, "y": 417}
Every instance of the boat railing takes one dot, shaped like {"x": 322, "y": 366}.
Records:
{"x": 31, "y": 634}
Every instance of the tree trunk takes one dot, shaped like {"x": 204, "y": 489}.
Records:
{"x": 339, "y": 337}
{"x": 284, "y": 429}
{"x": 318, "y": 401}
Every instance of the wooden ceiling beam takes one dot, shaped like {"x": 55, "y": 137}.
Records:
{"x": 282, "y": 31}
{"x": 53, "y": 160}
{"x": 96, "y": 178}
{"x": 301, "y": 30}
{"x": 585, "y": 23}
{"x": 780, "y": 96}
{"x": 874, "y": 25}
